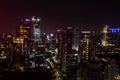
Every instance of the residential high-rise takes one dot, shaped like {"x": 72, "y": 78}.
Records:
{"x": 84, "y": 45}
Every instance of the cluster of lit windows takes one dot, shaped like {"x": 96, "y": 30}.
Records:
{"x": 22, "y": 30}
{"x": 18, "y": 40}
{"x": 9, "y": 35}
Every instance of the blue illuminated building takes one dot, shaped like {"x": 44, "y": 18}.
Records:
{"x": 114, "y": 30}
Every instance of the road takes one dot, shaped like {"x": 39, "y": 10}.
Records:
{"x": 56, "y": 73}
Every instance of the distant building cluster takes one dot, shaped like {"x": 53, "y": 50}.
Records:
{"x": 26, "y": 45}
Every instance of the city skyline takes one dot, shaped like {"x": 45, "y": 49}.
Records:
{"x": 73, "y": 52}
{"x": 59, "y": 14}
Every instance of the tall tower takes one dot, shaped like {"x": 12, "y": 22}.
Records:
{"x": 104, "y": 35}
{"x": 69, "y": 39}
{"x": 23, "y": 36}
{"x": 84, "y": 45}
{"x": 36, "y": 29}
{"x": 61, "y": 36}
{"x": 23, "y": 30}
{"x": 76, "y": 38}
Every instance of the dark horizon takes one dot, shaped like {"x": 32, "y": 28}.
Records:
{"x": 59, "y": 14}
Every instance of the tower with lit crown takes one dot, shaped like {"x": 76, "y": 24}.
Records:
{"x": 104, "y": 35}
{"x": 36, "y": 29}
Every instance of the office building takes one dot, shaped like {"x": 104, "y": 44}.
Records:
{"x": 36, "y": 29}
{"x": 23, "y": 29}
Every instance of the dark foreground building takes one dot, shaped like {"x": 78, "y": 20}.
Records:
{"x": 25, "y": 76}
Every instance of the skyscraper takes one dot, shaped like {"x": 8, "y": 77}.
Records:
{"x": 23, "y": 36}
{"x": 84, "y": 45}
{"x": 76, "y": 38}
{"x": 36, "y": 29}
{"x": 69, "y": 39}
{"x": 61, "y": 44}
{"x": 104, "y": 35}
{"x": 23, "y": 30}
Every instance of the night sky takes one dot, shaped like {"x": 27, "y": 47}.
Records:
{"x": 58, "y": 14}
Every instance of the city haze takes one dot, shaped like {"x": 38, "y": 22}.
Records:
{"x": 57, "y": 14}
